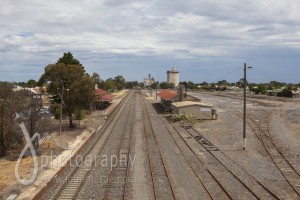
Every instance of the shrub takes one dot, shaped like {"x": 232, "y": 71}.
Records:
{"x": 183, "y": 117}
{"x": 79, "y": 114}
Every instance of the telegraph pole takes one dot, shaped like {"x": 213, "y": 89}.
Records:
{"x": 245, "y": 109}
{"x": 244, "y": 121}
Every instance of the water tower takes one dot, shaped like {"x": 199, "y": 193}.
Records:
{"x": 173, "y": 76}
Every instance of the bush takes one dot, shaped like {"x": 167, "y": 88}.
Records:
{"x": 285, "y": 93}
{"x": 79, "y": 114}
{"x": 183, "y": 117}
{"x": 185, "y": 120}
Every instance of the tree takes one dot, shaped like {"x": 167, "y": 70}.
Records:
{"x": 35, "y": 117}
{"x": 285, "y": 93}
{"x": 240, "y": 83}
{"x": 68, "y": 59}
{"x": 131, "y": 84}
{"x": 96, "y": 79}
{"x": 277, "y": 85}
{"x": 31, "y": 83}
{"x": 11, "y": 103}
{"x": 119, "y": 82}
{"x": 261, "y": 88}
{"x": 68, "y": 80}
{"x": 154, "y": 85}
{"x": 204, "y": 83}
{"x": 109, "y": 85}
{"x": 223, "y": 82}
{"x": 165, "y": 85}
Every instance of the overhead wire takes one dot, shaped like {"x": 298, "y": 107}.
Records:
{"x": 223, "y": 76}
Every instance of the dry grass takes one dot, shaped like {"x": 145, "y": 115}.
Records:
{"x": 7, "y": 166}
{"x": 119, "y": 94}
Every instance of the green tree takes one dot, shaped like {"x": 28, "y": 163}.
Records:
{"x": 131, "y": 84}
{"x": 119, "y": 82}
{"x": 69, "y": 80}
{"x": 68, "y": 59}
{"x": 165, "y": 85}
{"x": 277, "y": 85}
{"x": 261, "y": 88}
{"x": 204, "y": 83}
{"x": 154, "y": 85}
{"x": 223, "y": 82}
{"x": 31, "y": 83}
{"x": 96, "y": 79}
{"x": 109, "y": 85}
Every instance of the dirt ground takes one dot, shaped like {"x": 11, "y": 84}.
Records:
{"x": 226, "y": 134}
{"x": 49, "y": 147}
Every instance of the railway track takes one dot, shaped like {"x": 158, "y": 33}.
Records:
{"x": 71, "y": 181}
{"x": 262, "y": 130}
{"x": 219, "y": 175}
{"x": 259, "y": 190}
{"x": 216, "y": 188}
{"x": 160, "y": 179}
{"x": 86, "y": 182}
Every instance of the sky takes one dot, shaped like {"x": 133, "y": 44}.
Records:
{"x": 204, "y": 39}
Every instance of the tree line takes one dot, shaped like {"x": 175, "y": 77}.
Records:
{"x": 67, "y": 83}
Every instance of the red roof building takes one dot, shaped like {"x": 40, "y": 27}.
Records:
{"x": 107, "y": 98}
{"x": 170, "y": 96}
{"x": 103, "y": 95}
{"x": 102, "y": 98}
{"x": 167, "y": 95}
{"x": 100, "y": 92}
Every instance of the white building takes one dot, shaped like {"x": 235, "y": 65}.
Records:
{"x": 148, "y": 81}
{"x": 173, "y": 76}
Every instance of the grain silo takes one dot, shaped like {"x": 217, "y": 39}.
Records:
{"x": 173, "y": 76}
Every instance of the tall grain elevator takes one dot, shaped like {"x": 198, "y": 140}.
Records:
{"x": 173, "y": 76}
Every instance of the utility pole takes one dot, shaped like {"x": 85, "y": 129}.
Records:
{"x": 244, "y": 121}
{"x": 245, "y": 108}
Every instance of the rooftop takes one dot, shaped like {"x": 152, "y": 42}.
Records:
{"x": 190, "y": 103}
{"x": 100, "y": 92}
{"x": 167, "y": 94}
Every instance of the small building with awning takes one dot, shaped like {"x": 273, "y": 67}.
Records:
{"x": 102, "y": 99}
{"x": 169, "y": 96}
{"x": 197, "y": 109}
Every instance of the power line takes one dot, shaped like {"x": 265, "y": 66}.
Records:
{"x": 227, "y": 74}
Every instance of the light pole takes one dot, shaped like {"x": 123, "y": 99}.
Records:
{"x": 245, "y": 108}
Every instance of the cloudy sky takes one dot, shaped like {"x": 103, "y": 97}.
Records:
{"x": 204, "y": 39}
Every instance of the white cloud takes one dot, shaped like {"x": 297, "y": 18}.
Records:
{"x": 188, "y": 31}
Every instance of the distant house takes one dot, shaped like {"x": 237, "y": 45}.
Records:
{"x": 170, "y": 96}
{"x": 38, "y": 93}
{"x": 296, "y": 93}
{"x": 102, "y": 99}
